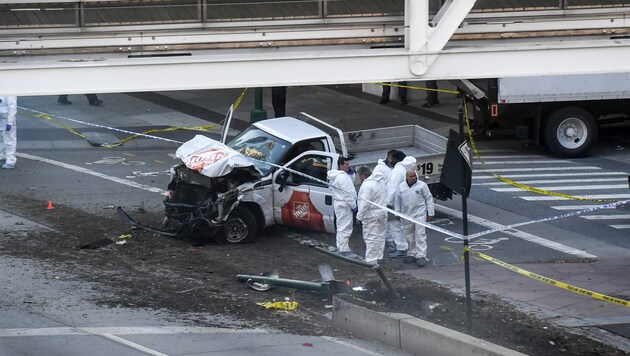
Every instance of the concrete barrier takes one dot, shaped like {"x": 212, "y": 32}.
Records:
{"x": 411, "y": 334}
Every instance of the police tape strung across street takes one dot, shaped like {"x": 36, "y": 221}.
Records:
{"x": 553, "y": 282}
{"x": 43, "y": 115}
{"x": 551, "y": 218}
{"x": 417, "y": 88}
{"x": 46, "y": 116}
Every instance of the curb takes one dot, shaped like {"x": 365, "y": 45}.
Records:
{"x": 410, "y": 334}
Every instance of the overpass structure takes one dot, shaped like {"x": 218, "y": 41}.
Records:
{"x": 78, "y": 46}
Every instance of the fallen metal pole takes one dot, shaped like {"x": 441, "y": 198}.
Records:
{"x": 323, "y": 288}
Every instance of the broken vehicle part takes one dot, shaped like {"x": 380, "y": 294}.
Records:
{"x": 360, "y": 263}
{"x": 132, "y": 222}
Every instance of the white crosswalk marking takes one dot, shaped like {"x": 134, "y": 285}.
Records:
{"x": 539, "y": 169}
{"x": 544, "y": 175}
{"x": 606, "y": 217}
{"x": 566, "y": 177}
{"x": 575, "y": 207}
{"x": 594, "y": 197}
{"x": 567, "y": 187}
{"x": 547, "y": 181}
{"x": 557, "y": 161}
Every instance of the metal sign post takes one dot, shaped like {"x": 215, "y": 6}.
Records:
{"x": 464, "y": 189}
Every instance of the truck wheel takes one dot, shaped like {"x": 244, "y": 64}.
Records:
{"x": 240, "y": 227}
{"x": 570, "y": 132}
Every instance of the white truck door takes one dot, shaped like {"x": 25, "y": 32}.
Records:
{"x": 302, "y": 201}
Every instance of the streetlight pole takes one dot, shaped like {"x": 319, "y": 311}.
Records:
{"x": 258, "y": 113}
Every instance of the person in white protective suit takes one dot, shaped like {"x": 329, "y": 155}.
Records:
{"x": 413, "y": 198}
{"x": 344, "y": 203}
{"x": 396, "y": 177}
{"x": 385, "y": 168}
{"x": 373, "y": 218}
{"x": 8, "y": 111}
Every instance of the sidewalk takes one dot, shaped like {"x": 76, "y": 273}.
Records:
{"x": 350, "y": 109}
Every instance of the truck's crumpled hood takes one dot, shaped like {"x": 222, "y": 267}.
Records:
{"x": 214, "y": 159}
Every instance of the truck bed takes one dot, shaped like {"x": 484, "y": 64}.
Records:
{"x": 368, "y": 146}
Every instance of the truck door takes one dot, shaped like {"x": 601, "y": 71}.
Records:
{"x": 302, "y": 201}
{"x": 226, "y": 124}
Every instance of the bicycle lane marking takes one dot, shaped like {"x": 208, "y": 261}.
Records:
{"x": 92, "y": 173}
{"x": 516, "y": 233}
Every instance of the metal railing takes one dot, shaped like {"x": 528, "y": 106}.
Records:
{"x": 89, "y": 13}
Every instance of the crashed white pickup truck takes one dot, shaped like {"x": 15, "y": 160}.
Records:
{"x": 252, "y": 182}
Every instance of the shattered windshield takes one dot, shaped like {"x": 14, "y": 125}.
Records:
{"x": 261, "y": 146}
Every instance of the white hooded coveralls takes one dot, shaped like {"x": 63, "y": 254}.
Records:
{"x": 373, "y": 218}
{"x": 415, "y": 201}
{"x": 8, "y": 111}
{"x": 398, "y": 175}
{"x": 344, "y": 200}
{"x": 383, "y": 168}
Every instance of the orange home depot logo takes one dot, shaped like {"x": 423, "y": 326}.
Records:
{"x": 200, "y": 160}
{"x": 299, "y": 211}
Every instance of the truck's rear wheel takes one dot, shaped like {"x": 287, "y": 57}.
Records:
{"x": 240, "y": 227}
{"x": 570, "y": 132}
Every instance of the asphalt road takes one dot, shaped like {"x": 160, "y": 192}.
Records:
{"x": 56, "y": 166}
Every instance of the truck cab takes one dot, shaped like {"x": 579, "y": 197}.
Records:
{"x": 284, "y": 183}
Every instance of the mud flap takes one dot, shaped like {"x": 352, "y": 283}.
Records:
{"x": 132, "y": 222}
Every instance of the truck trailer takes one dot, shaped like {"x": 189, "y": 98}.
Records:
{"x": 561, "y": 112}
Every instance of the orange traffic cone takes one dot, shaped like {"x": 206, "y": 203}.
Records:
{"x": 50, "y": 205}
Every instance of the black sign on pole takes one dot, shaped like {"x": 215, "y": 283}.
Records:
{"x": 457, "y": 175}
{"x": 457, "y": 168}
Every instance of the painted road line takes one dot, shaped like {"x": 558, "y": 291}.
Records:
{"x": 548, "y": 181}
{"x": 606, "y": 217}
{"x": 545, "y": 175}
{"x": 484, "y": 157}
{"x": 92, "y": 173}
{"x": 623, "y": 226}
{"x": 516, "y": 233}
{"x": 126, "y": 330}
{"x": 349, "y": 345}
{"x": 568, "y": 187}
{"x": 132, "y": 345}
{"x": 596, "y": 196}
{"x": 485, "y": 161}
{"x": 538, "y": 169}
{"x": 576, "y": 207}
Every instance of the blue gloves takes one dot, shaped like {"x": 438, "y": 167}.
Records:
{"x": 8, "y": 128}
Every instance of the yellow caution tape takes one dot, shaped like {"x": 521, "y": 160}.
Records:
{"x": 553, "y": 282}
{"x": 73, "y": 131}
{"x": 129, "y": 138}
{"x": 466, "y": 249}
{"x": 417, "y": 88}
{"x": 279, "y": 305}
{"x": 519, "y": 185}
